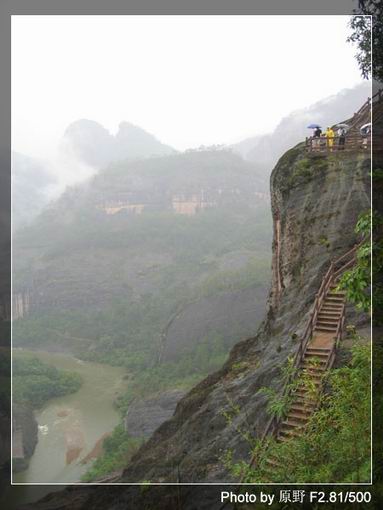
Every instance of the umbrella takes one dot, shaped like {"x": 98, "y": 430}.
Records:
{"x": 314, "y": 126}
{"x": 365, "y": 128}
{"x": 342, "y": 125}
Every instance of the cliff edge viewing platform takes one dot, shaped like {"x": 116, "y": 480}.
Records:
{"x": 354, "y": 139}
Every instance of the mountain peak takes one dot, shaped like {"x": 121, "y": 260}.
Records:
{"x": 94, "y": 145}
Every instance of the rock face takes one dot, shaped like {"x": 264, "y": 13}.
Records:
{"x": 145, "y": 416}
{"x": 24, "y": 442}
{"x": 227, "y": 314}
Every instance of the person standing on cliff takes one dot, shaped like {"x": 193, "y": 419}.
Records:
{"x": 316, "y": 138}
{"x": 342, "y": 137}
{"x": 330, "y": 137}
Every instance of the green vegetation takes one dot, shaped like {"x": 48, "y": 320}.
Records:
{"x": 324, "y": 241}
{"x": 335, "y": 446}
{"x": 357, "y": 281}
{"x": 303, "y": 168}
{"x": 306, "y": 168}
{"x": 35, "y": 382}
{"x": 184, "y": 373}
{"x": 118, "y": 449}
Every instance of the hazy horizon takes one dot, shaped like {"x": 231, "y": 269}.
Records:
{"x": 185, "y": 90}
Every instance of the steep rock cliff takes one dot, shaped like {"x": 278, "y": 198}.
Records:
{"x": 316, "y": 200}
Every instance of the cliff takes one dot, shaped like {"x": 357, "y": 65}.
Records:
{"x": 316, "y": 199}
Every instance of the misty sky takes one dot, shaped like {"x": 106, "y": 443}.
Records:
{"x": 189, "y": 80}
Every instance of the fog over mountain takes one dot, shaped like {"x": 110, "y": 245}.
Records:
{"x": 94, "y": 145}
{"x": 32, "y": 186}
{"x": 86, "y": 147}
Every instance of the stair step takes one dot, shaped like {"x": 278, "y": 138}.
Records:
{"x": 329, "y": 316}
{"x": 289, "y": 433}
{"x": 315, "y": 358}
{"x": 304, "y": 394}
{"x": 327, "y": 323}
{"x": 291, "y": 423}
{"x": 296, "y": 419}
{"x": 331, "y": 308}
{"x": 338, "y": 293}
{"x": 315, "y": 381}
{"x": 334, "y": 319}
{"x": 313, "y": 375}
{"x": 335, "y": 309}
{"x": 300, "y": 409}
{"x": 310, "y": 405}
{"x": 319, "y": 365}
{"x": 317, "y": 355}
{"x": 318, "y": 349}
{"x": 308, "y": 366}
{"x": 325, "y": 329}
{"x": 334, "y": 299}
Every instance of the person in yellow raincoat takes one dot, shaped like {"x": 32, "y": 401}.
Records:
{"x": 330, "y": 137}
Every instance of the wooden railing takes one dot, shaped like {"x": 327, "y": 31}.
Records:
{"x": 353, "y": 139}
{"x": 352, "y": 142}
{"x": 337, "y": 267}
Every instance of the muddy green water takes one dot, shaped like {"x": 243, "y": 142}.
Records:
{"x": 71, "y": 425}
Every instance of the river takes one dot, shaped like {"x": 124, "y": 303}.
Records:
{"x": 71, "y": 426}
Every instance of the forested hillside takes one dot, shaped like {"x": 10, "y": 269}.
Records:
{"x": 159, "y": 265}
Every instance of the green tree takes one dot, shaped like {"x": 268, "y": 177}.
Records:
{"x": 363, "y": 28}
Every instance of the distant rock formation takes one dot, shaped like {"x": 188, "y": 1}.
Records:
{"x": 94, "y": 145}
